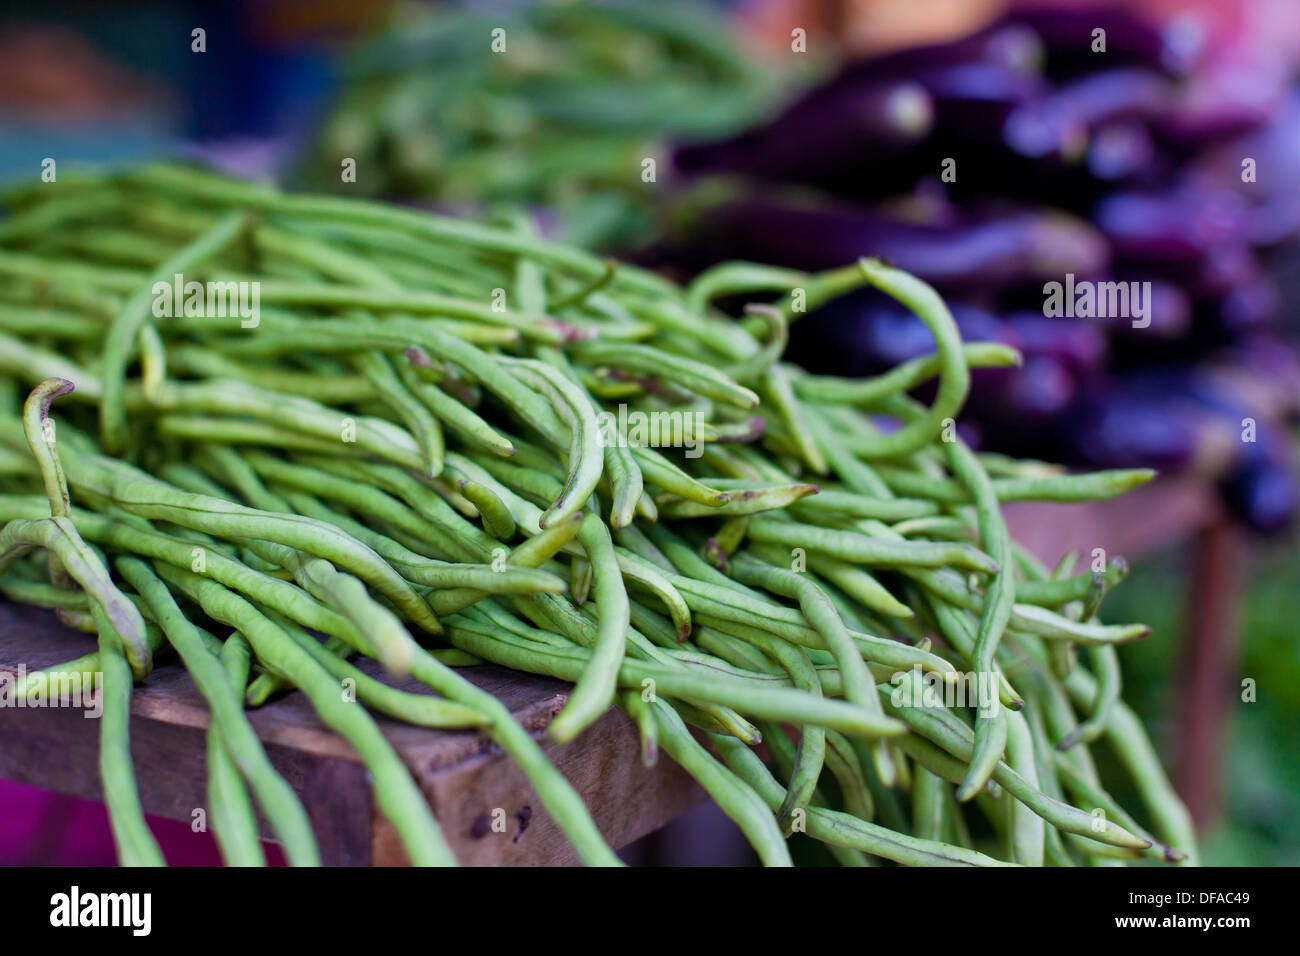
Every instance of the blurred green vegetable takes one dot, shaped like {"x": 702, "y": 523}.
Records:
{"x": 556, "y": 103}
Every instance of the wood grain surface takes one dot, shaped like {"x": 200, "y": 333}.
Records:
{"x": 484, "y": 803}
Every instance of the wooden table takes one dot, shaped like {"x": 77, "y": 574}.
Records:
{"x": 468, "y": 781}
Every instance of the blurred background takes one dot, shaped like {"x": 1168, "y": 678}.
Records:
{"x": 990, "y": 146}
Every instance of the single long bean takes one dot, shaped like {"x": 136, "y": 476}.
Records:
{"x": 126, "y": 325}
{"x": 233, "y": 820}
{"x": 902, "y": 378}
{"x": 135, "y": 844}
{"x": 595, "y": 688}
{"x": 861, "y": 549}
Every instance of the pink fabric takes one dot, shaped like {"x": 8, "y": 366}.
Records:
{"x": 42, "y": 828}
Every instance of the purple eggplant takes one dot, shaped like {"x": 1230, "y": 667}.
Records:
{"x": 1169, "y": 312}
{"x": 866, "y": 332}
{"x": 1111, "y": 303}
{"x": 1041, "y": 391}
{"x": 1250, "y": 305}
{"x": 1260, "y": 484}
{"x": 1011, "y": 46}
{"x": 1102, "y": 117}
{"x": 864, "y": 138}
{"x": 1099, "y": 120}
{"x": 1079, "y": 346}
{"x": 1224, "y": 268}
{"x": 832, "y": 133}
{"x": 1255, "y": 477}
{"x": 1181, "y": 227}
{"x": 894, "y": 335}
{"x": 1104, "y": 97}
{"x": 927, "y": 205}
{"x": 1262, "y": 493}
{"x": 843, "y": 133}
{"x": 1223, "y": 102}
{"x": 1276, "y": 221}
{"x": 986, "y": 253}
{"x": 1137, "y": 425}
{"x": 1119, "y": 151}
{"x": 1258, "y": 371}
{"x": 985, "y": 121}
{"x": 1107, "y": 111}
{"x": 1067, "y": 35}
{"x": 1275, "y": 150}
{"x": 975, "y": 103}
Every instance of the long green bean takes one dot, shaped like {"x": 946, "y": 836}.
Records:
{"x": 233, "y": 820}
{"x": 135, "y": 844}
{"x": 126, "y": 326}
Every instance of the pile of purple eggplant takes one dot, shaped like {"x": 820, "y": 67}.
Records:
{"x": 1114, "y": 214}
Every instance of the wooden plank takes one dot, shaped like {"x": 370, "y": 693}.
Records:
{"x": 468, "y": 780}
{"x": 1206, "y": 689}
{"x": 1154, "y": 516}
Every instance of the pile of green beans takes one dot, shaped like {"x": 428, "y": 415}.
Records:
{"x": 553, "y": 102}
{"x": 427, "y": 451}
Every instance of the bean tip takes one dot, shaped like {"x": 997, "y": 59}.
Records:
{"x": 569, "y": 332}
{"x": 418, "y": 357}
{"x": 560, "y": 730}
{"x": 715, "y": 555}
{"x": 763, "y": 309}
{"x": 47, "y": 391}
{"x": 966, "y": 793}
{"x": 757, "y": 427}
